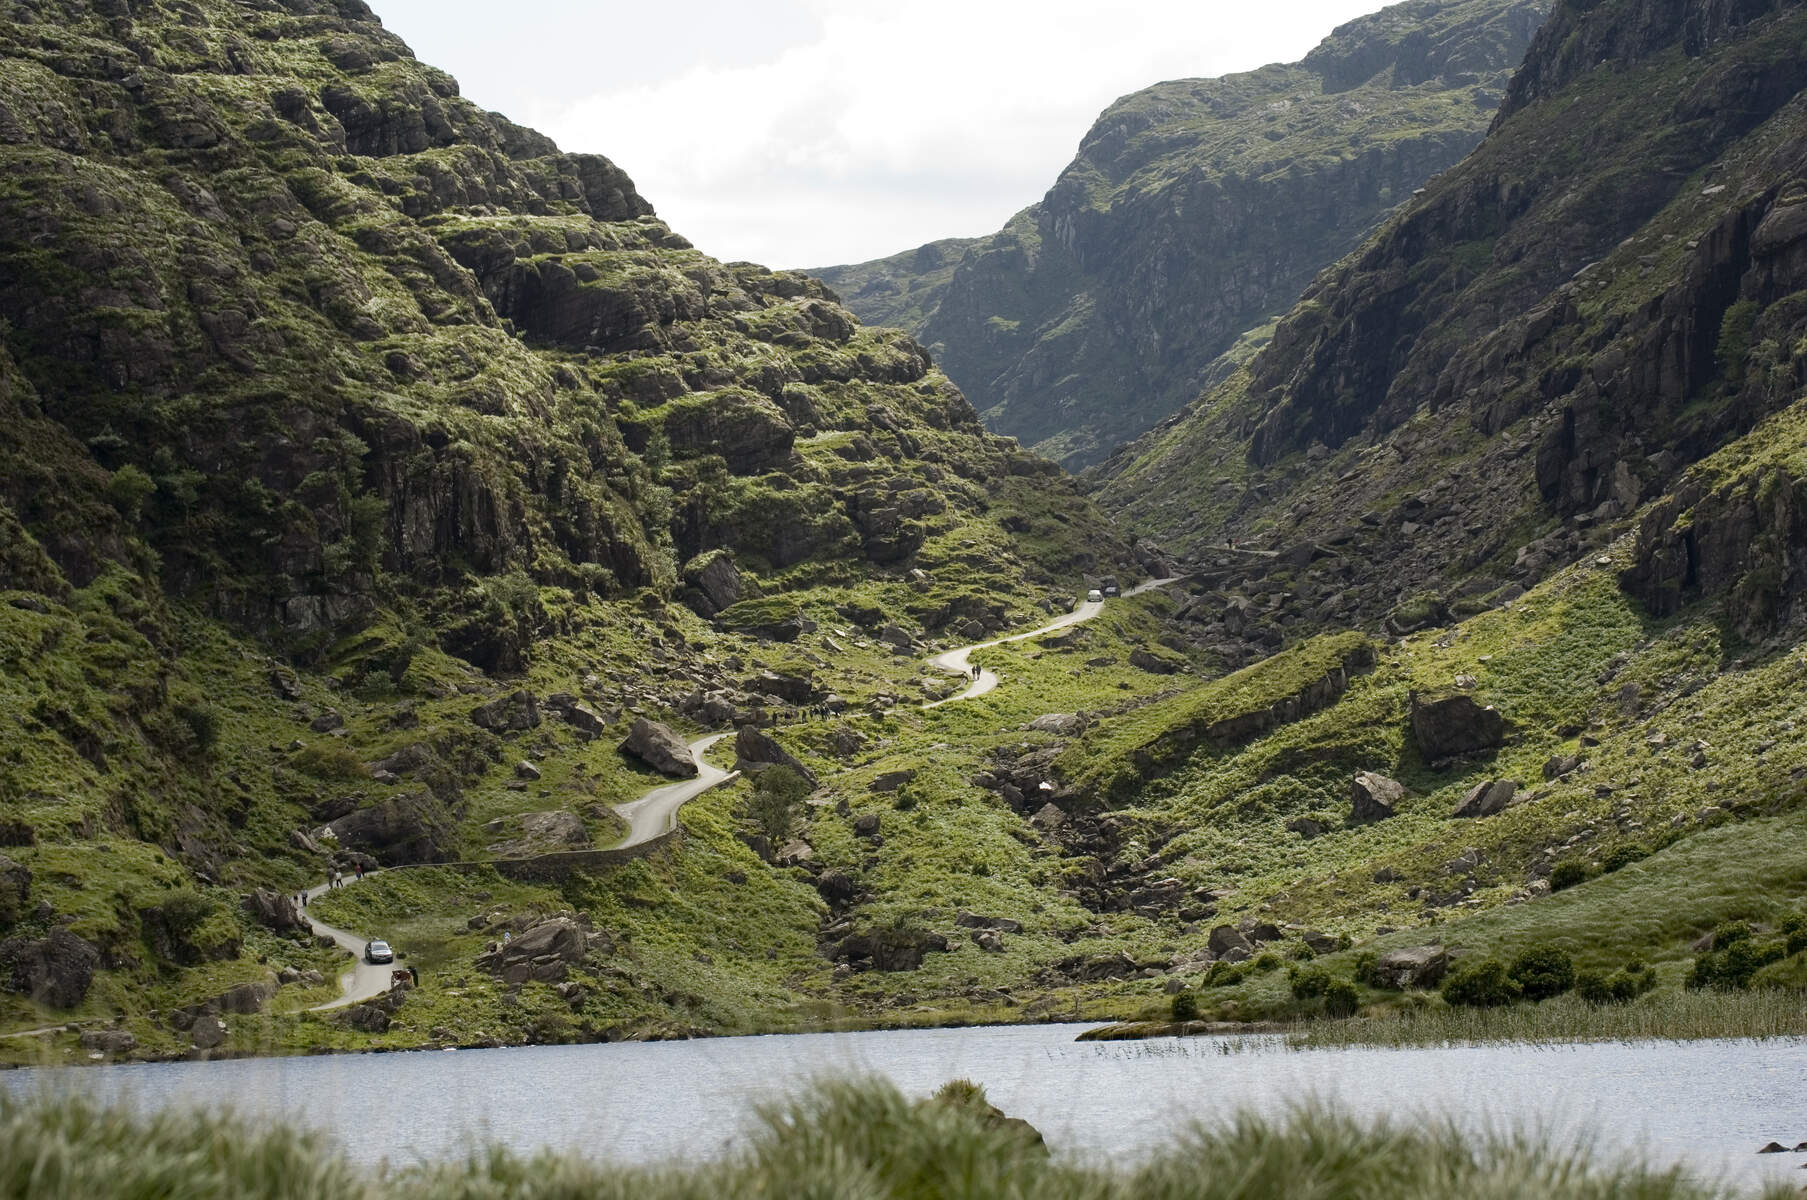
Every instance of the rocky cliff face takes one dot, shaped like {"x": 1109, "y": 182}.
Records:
{"x": 1606, "y": 291}
{"x": 1194, "y": 213}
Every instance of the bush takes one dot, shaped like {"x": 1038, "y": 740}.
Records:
{"x": 1567, "y": 874}
{"x": 1266, "y": 962}
{"x": 1622, "y": 987}
{"x": 1341, "y": 999}
{"x": 1185, "y": 1006}
{"x": 1623, "y": 855}
{"x": 1794, "y": 933}
{"x": 325, "y": 761}
{"x": 1729, "y": 966}
{"x": 1224, "y": 974}
{"x": 1364, "y": 968}
{"x": 777, "y": 792}
{"x": 127, "y": 491}
{"x": 1483, "y": 984}
{"x": 1542, "y": 972}
{"x": 203, "y": 723}
{"x": 1308, "y": 983}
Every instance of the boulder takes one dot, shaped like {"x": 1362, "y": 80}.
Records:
{"x": 1049, "y": 817}
{"x": 207, "y": 1032}
{"x": 1063, "y": 724}
{"x": 1486, "y": 799}
{"x": 866, "y": 825}
{"x": 1144, "y": 659}
{"x": 560, "y": 937}
{"x": 1373, "y": 797}
{"x": 517, "y": 711}
{"x": 836, "y": 887}
{"x": 1413, "y": 967}
{"x": 795, "y": 853}
{"x": 1226, "y": 938}
{"x": 526, "y": 770}
{"x": 367, "y": 1018}
{"x": 327, "y": 721}
{"x": 1455, "y": 725}
{"x": 55, "y": 970}
{"x": 989, "y": 940}
{"x": 756, "y": 751}
{"x": 1306, "y": 828}
{"x": 659, "y": 748}
{"x": 274, "y": 910}
{"x": 405, "y": 761}
{"x": 245, "y": 998}
{"x": 890, "y": 949}
{"x": 712, "y": 584}
{"x": 109, "y": 1041}
{"x": 1319, "y": 942}
{"x": 794, "y": 689}
{"x": 1561, "y": 765}
{"x": 890, "y": 781}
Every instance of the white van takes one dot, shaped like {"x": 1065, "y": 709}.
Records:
{"x": 1094, "y": 597}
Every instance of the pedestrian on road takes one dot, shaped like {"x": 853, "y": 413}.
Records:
{"x": 506, "y": 934}
{"x": 360, "y": 867}
{"x": 336, "y": 877}
{"x": 414, "y": 975}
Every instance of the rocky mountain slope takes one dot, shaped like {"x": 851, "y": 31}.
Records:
{"x": 1562, "y": 329}
{"x": 344, "y": 421}
{"x": 1194, "y": 213}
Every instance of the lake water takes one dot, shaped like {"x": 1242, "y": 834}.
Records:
{"x": 1708, "y": 1105}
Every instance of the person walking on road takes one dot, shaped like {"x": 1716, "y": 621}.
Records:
{"x": 414, "y": 976}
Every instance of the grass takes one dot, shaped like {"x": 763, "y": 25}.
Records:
{"x": 1662, "y": 1016}
{"x": 863, "y": 1140}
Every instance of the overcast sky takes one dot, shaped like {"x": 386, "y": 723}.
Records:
{"x": 803, "y": 133}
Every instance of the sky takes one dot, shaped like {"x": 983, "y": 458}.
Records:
{"x": 809, "y": 133}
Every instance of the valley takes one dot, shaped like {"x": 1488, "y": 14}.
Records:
{"x": 384, "y": 488}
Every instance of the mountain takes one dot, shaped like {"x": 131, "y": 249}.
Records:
{"x": 1550, "y": 338}
{"x": 1193, "y": 215}
{"x": 338, "y": 412}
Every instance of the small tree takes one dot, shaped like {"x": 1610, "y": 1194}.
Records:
{"x": 777, "y": 793}
{"x": 1542, "y": 972}
{"x": 1185, "y": 1006}
{"x": 1484, "y": 984}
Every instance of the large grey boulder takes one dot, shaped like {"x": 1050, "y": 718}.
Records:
{"x": 1413, "y": 967}
{"x": 1063, "y": 724}
{"x": 756, "y": 751}
{"x": 1373, "y": 797}
{"x": 56, "y": 970}
{"x": 273, "y": 910}
{"x": 660, "y": 748}
{"x": 575, "y": 713}
{"x": 712, "y": 584}
{"x": 1486, "y": 799}
{"x": 1226, "y": 938}
{"x": 207, "y": 1032}
{"x": 1450, "y": 726}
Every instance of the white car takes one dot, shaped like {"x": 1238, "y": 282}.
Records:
{"x": 1094, "y": 597}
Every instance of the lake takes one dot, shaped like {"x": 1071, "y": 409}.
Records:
{"x": 1708, "y": 1105}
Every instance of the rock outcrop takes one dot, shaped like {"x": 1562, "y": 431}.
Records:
{"x": 1413, "y": 967}
{"x": 1373, "y": 797}
{"x": 1452, "y": 726}
{"x": 414, "y": 828}
{"x": 660, "y": 748}
{"x": 55, "y": 970}
{"x": 756, "y": 751}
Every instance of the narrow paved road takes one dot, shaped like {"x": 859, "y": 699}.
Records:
{"x": 959, "y": 662}
{"x": 656, "y": 813}
{"x": 364, "y": 980}
{"x": 650, "y": 816}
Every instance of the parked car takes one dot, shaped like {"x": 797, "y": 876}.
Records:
{"x": 1110, "y": 589}
{"x": 1094, "y": 597}
{"x": 378, "y": 952}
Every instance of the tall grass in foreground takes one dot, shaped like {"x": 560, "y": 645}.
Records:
{"x": 1660, "y": 1016}
{"x": 861, "y": 1141}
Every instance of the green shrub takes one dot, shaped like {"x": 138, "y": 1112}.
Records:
{"x": 777, "y": 793}
{"x": 1483, "y": 984}
{"x": 1794, "y": 933}
{"x": 127, "y": 491}
{"x": 1622, "y": 987}
{"x": 1341, "y": 999}
{"x": 1185, "y": 1006}
{"x": 1223, "y": 974}
{"x": 1308, "y": 983}
{"x": 1730, "y": 965}
{"x": 1265, "y": 962}
{"x": 1623, "y": 855}
{"x": 1364, "y": 968}
{"x": 1567, "y": 873}
{"x": 203, "y": 723}
{"x": 1542, "y": 972}
{"x": 324, "y": 760}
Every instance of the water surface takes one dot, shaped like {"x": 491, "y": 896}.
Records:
{"x": 1708, "y": 1105}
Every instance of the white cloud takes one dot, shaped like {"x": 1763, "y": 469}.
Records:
{"x": 879, "y": 126}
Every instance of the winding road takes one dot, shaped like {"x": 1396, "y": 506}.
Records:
{"x": 651, "y": 816}
{"x": 959, "y": 661}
